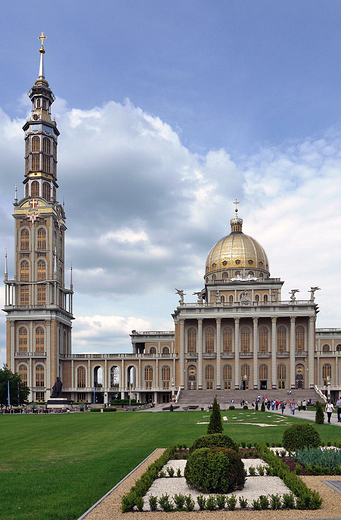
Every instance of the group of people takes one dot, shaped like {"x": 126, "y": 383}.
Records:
{"x": 291, "y": 405}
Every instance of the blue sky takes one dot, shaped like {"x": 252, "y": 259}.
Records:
{"x": 168, "y": 111}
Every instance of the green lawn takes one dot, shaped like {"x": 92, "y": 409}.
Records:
{"x": 56, "y": 466}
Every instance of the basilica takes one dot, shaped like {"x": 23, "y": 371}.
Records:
{"x": 237, "y": 334}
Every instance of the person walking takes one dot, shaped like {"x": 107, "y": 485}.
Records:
{"x": 292, "y": 407}
{"x": 282, "y": 406}
{"x": 329, "y": 410}
{"x": 338, "y": 404}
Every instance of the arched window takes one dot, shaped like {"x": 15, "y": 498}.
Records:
{"x": 257, "y": 297}
{"x": 148, "y": 376}
{"x": 209, "y": 376}
{"x": 281, "y": 339}
{"x": 165, "y": 351}
{"x": 40, "y": 347}
{"x": 263, "y": 371}
{"x": 299, "y": 338}
{"x": 41, "y": 239}
{"x": 24, "y": 240}
{"x": 46, "y": 145}
{"x": 22, "y": 339}
{"x": 35, "y": 187}
{"x": 230, "y": 298}
{"x": 225, "y": 275}
{"x": 227, "y": 377}
{"x": 81, "y": 377}
{"x": 281, "y": 376}
{"x": 24, "y": 295}
{"x": 251, "y": 274}
{"x": 263, "y": 339}
{"x": 265, "y": 298}
{"x": 46, "y": 191}
{"x": 338, "y": 348}
{"x": 326, "y": 373}
{"x": 152, "y": 350}
{"x": 165, "y": 376}
{"x": 209, "y": 340}
{"x": 35, "y": 144}
{"x": 23, "y": 373}
{"x": 227, "y": 339}
{"x": 192, "y": 339}
{"x": 222, "y": 299}
{"x": 214, "y": 277}
{"x": 64, "y": 342}
{"x": 245, "y": 339}
{"x": 26, "y": 188}
{"x": 325, "y": 348}
{"x": 41, "y": 270}
{"x": 24, "y": 271}
{"x": 40, "y": 375}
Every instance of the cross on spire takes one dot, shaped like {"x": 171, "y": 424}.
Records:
{"x": 236, "y": 203}
{"x": 42, "y": 38}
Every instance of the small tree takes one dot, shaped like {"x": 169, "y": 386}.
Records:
{"x": 18, "y": 390}
{"x": 215, "y": 424}
{"x": 319, "y": 416}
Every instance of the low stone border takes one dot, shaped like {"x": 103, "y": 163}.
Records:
{"x": 109, "y": 507}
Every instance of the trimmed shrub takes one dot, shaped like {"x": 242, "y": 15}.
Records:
{"x": 213, "y": 441}
{"x": 319, "y": 416}
{"x": 215, "y": 470}
{"x": 300, "y": 435}
{"x": 216, "y": 423}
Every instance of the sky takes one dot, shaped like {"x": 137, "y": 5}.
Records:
{"x": 168, "y": 112}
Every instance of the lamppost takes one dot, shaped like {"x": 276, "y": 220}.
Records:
{"x": 328, "y": 387}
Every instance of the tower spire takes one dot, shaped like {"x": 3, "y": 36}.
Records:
{"x": 42, "y": 52}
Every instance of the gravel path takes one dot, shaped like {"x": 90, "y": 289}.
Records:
{"x": 109, "y": 508}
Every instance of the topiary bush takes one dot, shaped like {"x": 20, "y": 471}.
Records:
{"x": 319, "y": 416}
{"x": 215, "y": 440}
{"x": 216, "y": 424}
{"x": 300, "y": 435}
{"x": 215, "y": 470}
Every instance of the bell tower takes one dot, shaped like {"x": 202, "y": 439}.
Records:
{"x": 38, "y": 306}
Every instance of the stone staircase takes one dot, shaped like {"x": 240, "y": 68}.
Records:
{"x": 203, "y": 398}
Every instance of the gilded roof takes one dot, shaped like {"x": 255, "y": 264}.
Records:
{"x": 237, "y": 251}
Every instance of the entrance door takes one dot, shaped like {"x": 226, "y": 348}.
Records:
{"x": 263, "y": 385}
{"x": 245, "y": 385}
{"x": 299, "y": 376}
{"x": 192, "y": 378}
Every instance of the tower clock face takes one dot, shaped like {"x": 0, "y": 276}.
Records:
{"x": 35, "y": 116}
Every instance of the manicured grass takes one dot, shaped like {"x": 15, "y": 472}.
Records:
{"x": 55, "y": 467}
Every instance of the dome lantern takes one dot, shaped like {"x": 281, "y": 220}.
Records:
{"x": 237, "y": 256}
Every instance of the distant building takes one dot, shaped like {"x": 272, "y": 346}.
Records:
{"x": 239, "y": 334}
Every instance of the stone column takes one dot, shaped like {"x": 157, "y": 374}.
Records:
{"x": 273, "y": 352}
{"x": 123, "y": 380}
{"x": 236, "y": 354}
{"x": 140, "y": 374}
{"x": 72, "y": 374}
{"x": 218, "y": 322}
{"x": 292, "y": 352}
{"x": 311, "y": 348}
{"x": 255, "y": 353}
{"x": 200, "y": 353}
{"x": 182, "y": 354}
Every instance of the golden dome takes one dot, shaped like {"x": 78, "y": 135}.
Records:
{"x": 236, "y": 256}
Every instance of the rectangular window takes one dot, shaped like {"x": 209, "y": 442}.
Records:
{"x": 41, "y": 295}
{"x": 24, "y": 295}
{"x": 209, "y": 385}
{"x": 40, "y": 396}
{"x": 148, "y": 384}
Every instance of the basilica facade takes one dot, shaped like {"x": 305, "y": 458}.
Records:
{"x": 237, "y": 334}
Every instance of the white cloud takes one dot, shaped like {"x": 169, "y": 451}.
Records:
{"x": 143, "y": 213}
